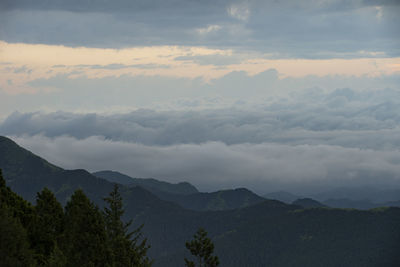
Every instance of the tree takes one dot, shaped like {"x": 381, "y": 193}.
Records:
{"x": 85, "y": 240}
{"x": 127, "y": 248}
{"x": 48, "y": 226}
{"x": 14, "y": 242}
{"x": 18, "y": 207}
{"x": 202, "y": 248}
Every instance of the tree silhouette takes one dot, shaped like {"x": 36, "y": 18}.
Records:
{"x": 127, "y": 248}
{"x": 202, "y": 248}
{"x": 48, "y": 226}
{"x": 85, "y": 239}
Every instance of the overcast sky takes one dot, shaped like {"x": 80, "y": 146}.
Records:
{"x": 269, "y": 95}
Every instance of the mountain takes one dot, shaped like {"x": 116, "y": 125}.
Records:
{"x": 152, "y": 185}
{"x": 365, "y": 193}
{"x": 185, "y": 194}
{"x": 308, "y": 203}
{"x": 282, "y": 196}
{"x": 27, "y": 174}
{"x": 345, "y": 203}
{"x": 269, "y": 233}
{"x": 220, "y": 200}
{"x": 390, "y": 204}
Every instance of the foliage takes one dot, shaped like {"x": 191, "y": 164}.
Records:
{"x": 85, "y": 239}
{"x": 14, "y": 243}
{"x": 45, "y": 235}
{"x": 127, "y": 248}
{"x": 15, "y": 217}
{"x": 48, "y": 226}
{"x": 202, "y": 248}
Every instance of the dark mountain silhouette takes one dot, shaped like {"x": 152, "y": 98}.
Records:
{"x": 220, "y": 200}
{"x": 186, "y": 195}
{"x": 345, "y": 203}
{"x": 152, "y": 185}
{"x": 28, "y": 174}
{"x": 308, "y": 203}
{"x": 282, "y": 196}
{"x": 270, "y": 233}
{"x": 364, "y": 193}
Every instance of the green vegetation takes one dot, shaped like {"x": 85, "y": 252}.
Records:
{"x": 14, "y": 243}
{"x": 82, "y": 235}
{"x": 202, "y": 248}
{"x": 127, "y": 248}
{"x": 48, "y": 227}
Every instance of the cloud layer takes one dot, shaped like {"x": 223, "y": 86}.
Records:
{"x": 78, "y": 92}
{"x": 291, "y": 29}
{"x": 261, "y": 167}
{"x": 310, "y": 140}
{"x": 343, "y": 117}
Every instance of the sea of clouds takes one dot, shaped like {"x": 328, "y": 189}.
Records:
{"x": 304, "y": 142}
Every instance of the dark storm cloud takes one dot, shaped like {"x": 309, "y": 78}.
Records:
{"x": 316, "y": 29}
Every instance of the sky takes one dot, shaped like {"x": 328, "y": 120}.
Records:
{"x": 269, "y": 95}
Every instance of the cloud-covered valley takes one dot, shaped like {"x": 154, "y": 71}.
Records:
{"x": 306, "y": 141}
{"x": 261, "y": 167}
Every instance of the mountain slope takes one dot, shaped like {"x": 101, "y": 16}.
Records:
{"x": 220, "y": 200}
{"x": 27, "y": 174}
{"x": 152, "y": 185}
{"x": 282, "y": 196}
{"x": 269, "y": 233}
{"x": 345, "y": 203}
{"x": 308, "y": 203}
{"x": 186, "y": 195}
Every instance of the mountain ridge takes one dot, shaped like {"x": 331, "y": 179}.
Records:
{"x": 268, "y": 233}
{"x": 151, "y": 184}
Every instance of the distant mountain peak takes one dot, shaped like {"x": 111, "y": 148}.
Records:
{"x": 151, "y": 184}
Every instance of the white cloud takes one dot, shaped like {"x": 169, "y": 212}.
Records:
{"x": 239, "y": 11}
{"x": 261, "y": 167}
{"x": 379, "y": 12}
{"x": 313, "y": 139}
{"x": 208, "y": 29}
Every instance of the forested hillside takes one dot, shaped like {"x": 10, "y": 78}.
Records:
{"x": 270, "y": 233}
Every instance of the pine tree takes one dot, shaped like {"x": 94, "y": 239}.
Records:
{"x": 127, "y": 247}
{"x": 48, "y": 226}
{"x": 18, "y": 207}
{"x": 85, "y": 240}
{"x": 202, "y": 248}
{"x": 14, "y": 242}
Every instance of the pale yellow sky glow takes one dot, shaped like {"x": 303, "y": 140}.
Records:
{"x": 21, "y": 63}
